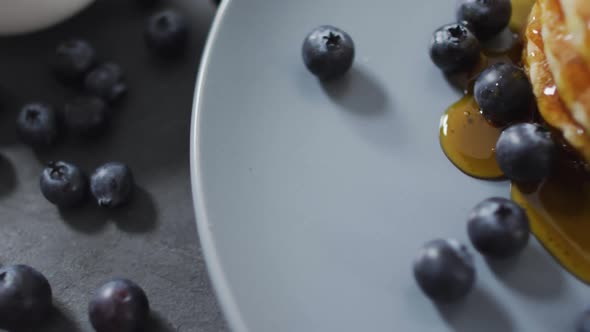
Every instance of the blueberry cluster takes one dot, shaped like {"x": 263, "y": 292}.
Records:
{"x": 75, "y": 64}
{"x": 26, "y": 302}
{"x": 25, "y": 294}
{"x": 502, "y": 91}
{"x": 444, "y": 269}
{"x": 66, "y": 185}
{"x": 456, "y": 47}
{"x": 498, "y": 228}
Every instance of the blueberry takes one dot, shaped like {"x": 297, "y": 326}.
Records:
{"x": 119, "y": 306}
{"x": 454, "y": 48}
{"x": 64, "y": 184}
{"x": 86, "y": 116}
{"x": 498, "y": 228}
{"x": 167, "y": 33}
{"x": 112, "y": 184}
{"x": 73, "y": 59}
{"x": 25, "y": 298}
{"x": 37, "y": 124}
{"x": 444, "y": 270}
{"x": 486, "y": 18}
{"x": 583, "y": 324}
{"x": 328, "y": 52}
{"x": 526, "y": 152}
{"x": 503, "y": 93}
{"x": 106, "y": 82}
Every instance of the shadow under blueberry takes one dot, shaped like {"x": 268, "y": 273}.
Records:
{"x": 358, "y": 92}
{"x": 367, "y": 108}
{"x": 136, "y": 216}
{"x": 87, "y": 218}
{"x": 157, "y": 323}
{"x": 60, "y": 321}
{"x": 9, "y": 107}
{"x": 478, "y": 312}
{"x": 533, "y": 273}
{"x": 7, "y": 176}
{"x": 460, "y": 82}
{"x": 139, "y": 215}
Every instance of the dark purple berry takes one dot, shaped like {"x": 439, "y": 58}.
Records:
{"x": 72, "y": 60}
{"x": 167, "y": 33}
{"x": 37, "y": 124}
{"x": 503, "y": 93}
{"x": 444, "y": 270}
{"x": 526, "y": 152}
{"x": 64, "y": 184}
{"x": 486, "y": 18}
{"x": 106, "y": 81}
{"x": 119, "y": 306}
{"x": 454, "y": 48}
{"x": 498, "y": 228}
{"x": 112, "y": 184}
{"x": 25, "y": 298}
{"x": 86, "y": 116}
{"x": 328, "y": 52}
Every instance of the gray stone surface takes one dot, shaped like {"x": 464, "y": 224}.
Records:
{"x": 154, "y": 240}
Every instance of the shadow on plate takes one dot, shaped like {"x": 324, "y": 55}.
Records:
{"x": 137, "y": 216}
{"x": 478, "y": 312}
{"x": 367, "y": 108}
{"x": 358, "y": 92}
{"x": 534, "y": 274}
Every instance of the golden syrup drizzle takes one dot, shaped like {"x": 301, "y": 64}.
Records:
{"x": 559, "y": 207}
{"x": 469, "y": 141}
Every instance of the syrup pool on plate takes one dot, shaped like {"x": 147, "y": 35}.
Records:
{"x": 559, "y": 213}
{"x": 469, "y": 140}
{"x": 466, "y": 137}
{"x": 559, "y": 207}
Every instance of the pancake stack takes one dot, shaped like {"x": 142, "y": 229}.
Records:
{"x": 557, "y": 60}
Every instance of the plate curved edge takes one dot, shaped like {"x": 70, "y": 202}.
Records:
{"x": 221, "y": 286}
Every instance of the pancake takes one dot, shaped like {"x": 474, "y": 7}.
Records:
{"x": 577, "y": 17}
{"x": 569, "y": 68}
{"x": 550, "y": 105}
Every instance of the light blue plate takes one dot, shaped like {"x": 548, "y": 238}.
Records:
{"x": 313, "y": 200}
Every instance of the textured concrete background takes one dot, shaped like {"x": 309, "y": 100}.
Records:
{"x": 154, "y": 240}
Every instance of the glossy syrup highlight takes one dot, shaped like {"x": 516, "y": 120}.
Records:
{"x": 469, "y": 141}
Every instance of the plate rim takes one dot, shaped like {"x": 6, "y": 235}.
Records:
{"x": 218, "y": 278}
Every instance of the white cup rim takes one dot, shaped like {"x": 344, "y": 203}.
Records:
{"x": 25, "y": 16}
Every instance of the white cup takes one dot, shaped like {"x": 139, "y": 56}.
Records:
{"x": 23, "y": 16}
